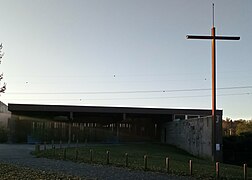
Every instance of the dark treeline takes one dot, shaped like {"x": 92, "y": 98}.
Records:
{"x": 237, "y": 141}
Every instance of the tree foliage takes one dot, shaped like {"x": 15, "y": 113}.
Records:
{"x": 2, "y": 88}
{"x": 244, "y": 128}
{"x": 237, "y": 141}
{"x": 236, "y": 128}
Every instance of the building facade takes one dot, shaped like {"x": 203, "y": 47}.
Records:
{"x": 38, "y": 123}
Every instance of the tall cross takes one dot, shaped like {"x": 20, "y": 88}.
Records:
{"x": 213, "y": 37}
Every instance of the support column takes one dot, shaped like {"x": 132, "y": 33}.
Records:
{"x": 117, "y": 130}
{"x": 155, "y": 131}
{"x": 112, "y": 127}
{"x": 12, "y": 128}
{"x": 70, "y": 127}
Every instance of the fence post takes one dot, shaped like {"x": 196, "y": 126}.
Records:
{"x": 45, "y": 145}
{"x": 76, "y": 154}
{"x": 52, "y": 143}
{"x": 68, "y": 143}
{"x": 60, "y": 144}
{"x": 37, "y": 147}
{"x": 126, "y": 160}
{"x": 145, "y": 162}
{"x": 64, "y": 154}
{"x": 107, "y": 157}
{"x": 53, "y": 151}
{"x": 245, "y": 171}
{"x": 77, "y": 143}
{"x": 217, "y": 168}
{"x": 190, "y": 167}
{"x": 91, "y": 155}
{"x": 167, "y": 164}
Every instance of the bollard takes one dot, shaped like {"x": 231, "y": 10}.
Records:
{"x": 126, "y": 160}
{"x": 76, "y": 154}
{"x": 145, "y": 162}
{"x": 60, "y": 144}
{"x": 53, "y": 151}
{"x": 64, "y": 154}
{"x": 217, "y": 169}
{"x": 167, "y": 164}
{"x": 37, "y": 147}
{"x": 91, "y": 155}
{"x": 52, "y": 144}
{"x": 68, "y": 143}
{"x": 107, "y": 157}
{"x": 44, "y": 145}
{"x": 245, "y": 171}
{"x": 190, "y": 167}
{"x": 77, "y": 143}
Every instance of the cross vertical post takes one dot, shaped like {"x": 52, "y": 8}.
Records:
{"x": 213, "y": 37}
{"x": 213, "y": 92}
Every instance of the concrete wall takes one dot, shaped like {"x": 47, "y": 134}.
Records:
{"x": 192, "y": 135}
{"x": 4, "y": 115}
{"x": 3, "y": 108}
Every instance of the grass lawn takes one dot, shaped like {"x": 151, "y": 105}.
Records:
{"x": 179, "y": 159}
{"x": 8, "y": 172}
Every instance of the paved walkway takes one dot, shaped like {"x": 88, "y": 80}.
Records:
{"x": 20, "y": 155}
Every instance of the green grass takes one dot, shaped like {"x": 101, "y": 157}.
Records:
{"x": 8, "y": 172}
{"x": 179, "y": 159}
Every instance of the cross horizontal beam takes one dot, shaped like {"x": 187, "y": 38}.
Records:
{"x": 213, "y": 37}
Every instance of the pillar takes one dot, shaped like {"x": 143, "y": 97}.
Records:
{"x": 70, "y": 127}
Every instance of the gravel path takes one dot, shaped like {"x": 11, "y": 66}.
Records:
{"x": 20, "y": 155}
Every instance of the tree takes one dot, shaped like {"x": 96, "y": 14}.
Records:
{"x": 227, "y": 127}
{"x": 244, "y": 127}
{"x": 3, "y": 88}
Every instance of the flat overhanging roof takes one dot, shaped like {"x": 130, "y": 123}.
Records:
{"x": 21, "y": 108}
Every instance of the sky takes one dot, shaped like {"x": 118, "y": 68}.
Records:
{"x": 131, "y": 53}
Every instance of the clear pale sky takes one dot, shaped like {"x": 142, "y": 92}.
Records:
{"x": 126, "y": 53}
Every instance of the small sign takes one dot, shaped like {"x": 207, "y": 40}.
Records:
{"x": 217, "y": 147}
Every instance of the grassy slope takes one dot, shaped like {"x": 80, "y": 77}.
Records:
{"x": 8, "y": 172}
{"x": 179, "y": 159}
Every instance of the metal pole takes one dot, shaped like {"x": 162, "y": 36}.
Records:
{"x": 213, "y": 93}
